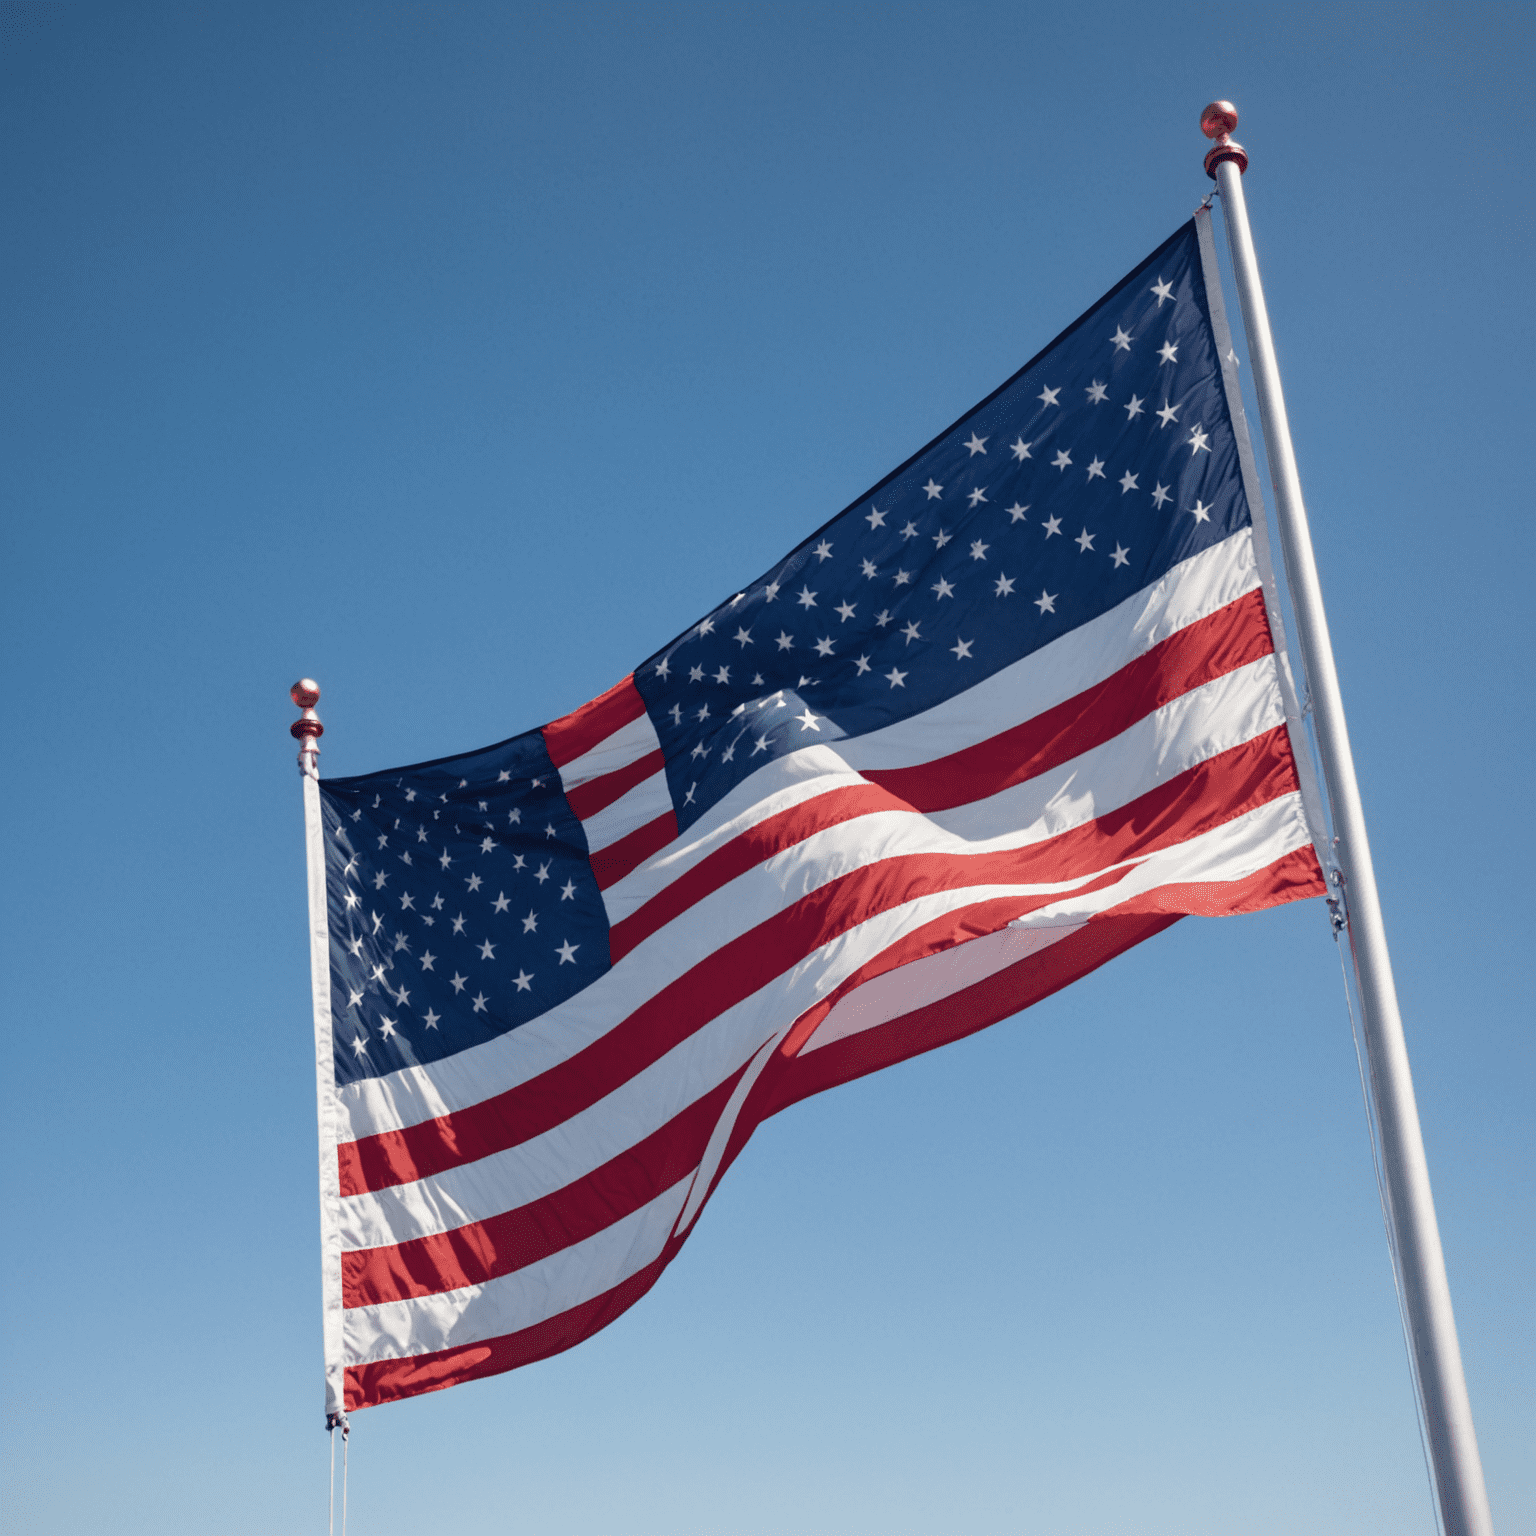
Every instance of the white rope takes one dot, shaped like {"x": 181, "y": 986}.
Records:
{"x": 346, "y": 1433}
{"x": 330, "y": 1501}
{"x": 1384, "y": 1196}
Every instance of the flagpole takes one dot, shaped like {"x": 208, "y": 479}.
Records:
{"x": 307, "y": 730}
{"x": 1415, "y": 1236}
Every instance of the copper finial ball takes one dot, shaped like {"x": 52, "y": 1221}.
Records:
{"x": 1218, "y": 118}
{"x": 305, "y": 693}
{"x": 1217, "y": 122}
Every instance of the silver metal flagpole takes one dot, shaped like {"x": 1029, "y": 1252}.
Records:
{"x": 1431, "y": 1326}
{"x": 307, "y": 730}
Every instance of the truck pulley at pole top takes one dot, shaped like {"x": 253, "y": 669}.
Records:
{"x": 1455, "y": 1467}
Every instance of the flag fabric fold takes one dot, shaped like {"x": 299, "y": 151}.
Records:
{"x": 1013, "y": 711}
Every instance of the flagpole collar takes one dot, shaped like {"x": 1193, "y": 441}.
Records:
{"x": 307, "y": 729}
{"x": 1217, "y": 122}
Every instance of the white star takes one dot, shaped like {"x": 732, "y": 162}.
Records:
{"x": 1169, "y": 352}
{"x": 1121, "y": 339}
{"x": 421, "y": 834}
{"x": 358, "y": 1046}
{"x": 934, "y": 489}
{"x": 474, "y": 883}
{"x": 1051, "y": 525}
{"x": 1062, "y": 459}
{"x": 884, "y": 617}
{"x": 962, "y": 649}
{"x": 523, "y": 981}
{"x": 501, "y": 903}
{"x": 353, "y": 998}
{"x": 1162, "y": 290}
{"x": 1004, "y": 587}
{"x": 567, "y": 953}
{"x": 941, "y": 538}
{"x": 1128, "y": 482}
{"x": 531, "y": 922}
{"x": 386, "y": 1025}
{"x": 943, "y": 588}
{"x": 1121, "y": 556}
{"x": 663, "y": 668}
{"x": 1084, "y": 541}
{"x": 979, "y": 550}
{"x": 696, "y": 674}
{"x": 909, "y": 531}
{"x": 867, "y": 567}
{"x": 808, "y": 721}
{"x": 824, "y": 647}
{"x": 458, "y": 923}
{"x": 910, "y": 631}
{"x": 1133, "y": 410}
{"x": 487, "y": 950}
{"x": 378, "y": 881}
{"x": 445, "y": 861}
{"x": 1020, "y": 449}
{"x": 513, "y": 816}
{"x": 427, "y": 959}
{"x": 823, "y": 551}
{"x": 568, "y": 891}
{"x": 1160, "y": 494}
{"x": 437, "y": 903}
{"x": 1046, "y": 602}
{"x": 542, "y": 873}
{"x": 770, "y": 592}
{"x": 431, "y": 1019}
{"x": 762, "y": 745}
{"x": 786, "y": 641}
{"x": 1202, "y": 513}
{"x": 350, "y": 869}
{"x": 1048, "y": 396}
{"x": 457, "y": 982}
{"x": 1097, "y": 393}
{"x": 723, "y": 675}
{"x": 1168, "y": 413}
{"x": 1197, "y": 441}
{"x": 875, "y": 518}
{"x": 353, "y": 899}
{"x": 976, "y": 497}
{"x": 862, "y": 663}
{"x": 480, "y": 1001}
{"x": 356, "y": 946}
{"x": 902, "y": 579}
{"x": 486, "y": 844}
{"x": 738, "y": 598}
{"x": 844, "y": 611}
{"x": 743, "y": 636}
{"x": 1016, "y": 513}
{"x": 976, "y": 445}
{"x": 897, "y": 678}
{"x": 1096, "y": 468}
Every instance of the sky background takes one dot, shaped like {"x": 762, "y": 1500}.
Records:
{"x": 459, "y": 356}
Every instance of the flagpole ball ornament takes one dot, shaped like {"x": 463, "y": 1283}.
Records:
{"x": 307, "y": 729}
{"x": 1217, "y": 122}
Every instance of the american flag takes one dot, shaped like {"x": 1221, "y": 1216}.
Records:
{"x": 1013, "y": 711}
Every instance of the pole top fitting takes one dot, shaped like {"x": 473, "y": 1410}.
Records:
{"x": 307, "y": 729}
{"x": 1217, "y": 122}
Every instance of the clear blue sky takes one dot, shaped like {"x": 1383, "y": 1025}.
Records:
{"x": 461, "y": 355}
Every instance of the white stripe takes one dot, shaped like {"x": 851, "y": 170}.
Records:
{"x": 613, "y": 752}
{"x": 527, "y": 1296}
{"x": 506, "y": 1180}
{"x": 933, "y": 978}
{"x": 633, "y": 809}
{"x": 1190, "y": 729}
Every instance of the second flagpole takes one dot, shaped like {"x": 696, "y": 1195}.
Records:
{"x": 1431, "y": 1325}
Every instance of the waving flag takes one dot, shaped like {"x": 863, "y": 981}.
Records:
{"x": 1014, "y": 710}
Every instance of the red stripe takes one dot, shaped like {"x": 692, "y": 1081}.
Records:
{"x": 482, "y": 1250}
{"x": 575, "y": 734}
{"x": 599, "y": 793}
{"x": 1230, "y": 638}
{"x": 1192, "y": 802}
{"x": 612, "y": 863}
{"x": 748, "y": 849}
{"x": 387, "y": 1381}
{"x": 786, "y": 1082}
{"x": 1200, "y": 652}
